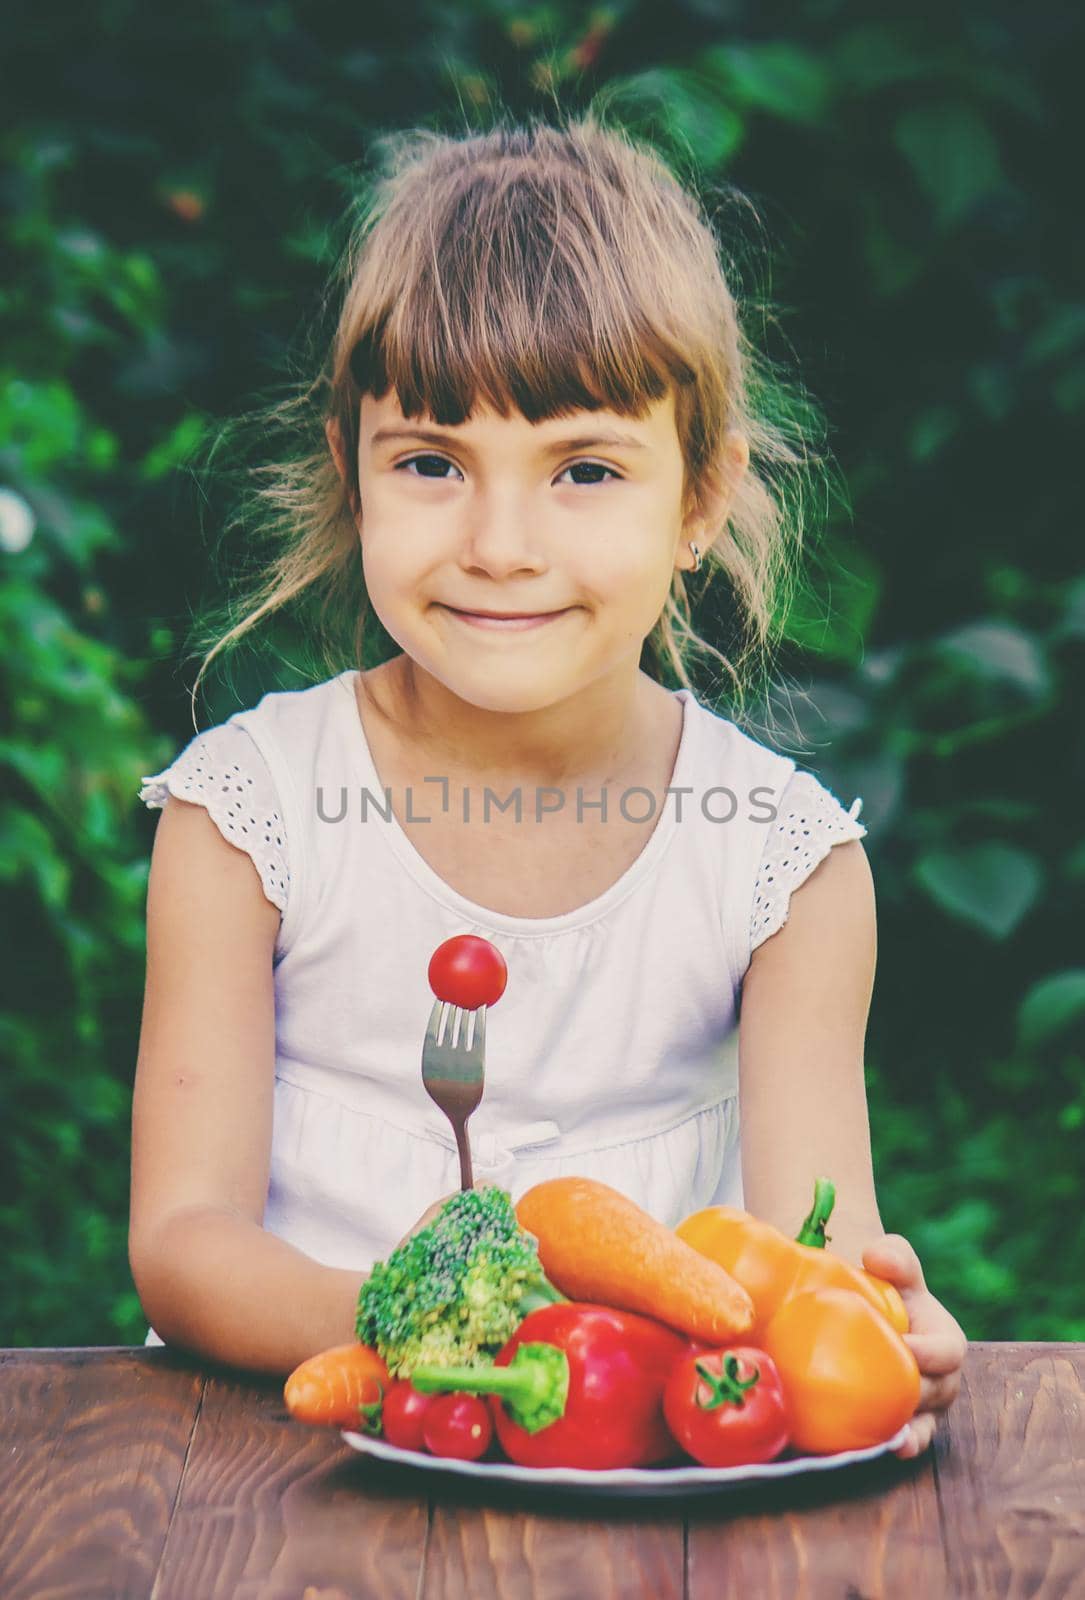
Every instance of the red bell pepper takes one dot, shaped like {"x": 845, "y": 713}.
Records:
{"x": 576, "y": 1386}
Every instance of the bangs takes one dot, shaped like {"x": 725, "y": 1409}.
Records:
{"x": 515, "y": 293}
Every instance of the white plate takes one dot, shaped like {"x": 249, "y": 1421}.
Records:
{"x": 631, "y": 1481}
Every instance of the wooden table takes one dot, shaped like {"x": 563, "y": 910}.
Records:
{"x": 142, "y": 1473}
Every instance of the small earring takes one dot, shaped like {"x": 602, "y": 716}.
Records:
{"x": 696, "y": 558}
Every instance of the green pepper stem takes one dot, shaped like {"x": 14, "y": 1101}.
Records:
{"x": 533, "y": 1387}
{"x": 812, "y": 1231}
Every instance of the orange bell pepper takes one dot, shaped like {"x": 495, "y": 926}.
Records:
{"x": 773, "y": 1268}
{"x": 849, "y": 1379}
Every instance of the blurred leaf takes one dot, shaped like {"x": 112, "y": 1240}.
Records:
{"x": 931, "y": 430}
{"x": 1008, "y": 585}
{"x": 992, "y": 886}
{"x": 880, "y": 667}
{"x": 992, "y": 387}
{"x": 878, "y": 54}
{"x": 960, "y": 1228}
{"x": 878, "y": 778}
{"x": 184, "y": 438}
{"x": 1051, "y": 1006}
{"x": 1068, "y": 389}
{"x": 42, "y": 767}
{"x": 690, "y": 107}
{"x": 776, "y": 77}
{"x": 1064, "y": 329}
{"x": 1073, "y": 616}
{"x": 952, "y": 154}
{"x": 26, "y": 847}
{"x": 311, "y": 241}
{"x": 836, "y": 708}
{"x": 1000, "y": 651}
{"x": 983, "y": 1278}
{"x": 892, "y": 264}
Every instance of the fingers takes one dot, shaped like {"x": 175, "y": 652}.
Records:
{"x": 938, "y": 1343}
{"x": 936, "y": 1338}
{"x": 938, "y": 1354}
{"x": 892, "y": 1257}
{"x": 938, "y": 1394}
{"x": 939, "y": 1357}
{"x": 920, "y": 1434}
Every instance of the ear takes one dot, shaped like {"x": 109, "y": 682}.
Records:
{"x": 334, "y": 436}
{"x": 716, "y": 492}
{"x": 335, "y": 444}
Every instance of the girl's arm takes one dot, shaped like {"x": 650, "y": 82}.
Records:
{"x": 208, "y": 1276}
{"x": 802, "y": 1093}
{"x": 803, "y": 1114}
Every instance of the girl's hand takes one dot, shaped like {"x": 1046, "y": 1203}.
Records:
{"x": 431, "y": 1211}
{"x": 424, "y": 1220}
{"x": 935, "y": 1337}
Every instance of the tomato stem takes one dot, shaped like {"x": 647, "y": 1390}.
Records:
{"x": 727, "y": 1388}
{"x": 812, "y": 1231}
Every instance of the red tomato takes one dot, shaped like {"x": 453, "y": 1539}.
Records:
{"x": 402, "y": 1414}
{"x": 468, "y": 971}
{"x": 458, "y": 1425}
{"x": 726, "y": 1408}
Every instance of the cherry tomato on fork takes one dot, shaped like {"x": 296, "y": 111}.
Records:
{"x": 468, "y": 971}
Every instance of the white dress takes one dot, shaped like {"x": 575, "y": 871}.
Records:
{"x": 613, "y": 1051}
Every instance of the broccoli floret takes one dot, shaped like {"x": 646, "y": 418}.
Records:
{"x": 457, "y": 1290}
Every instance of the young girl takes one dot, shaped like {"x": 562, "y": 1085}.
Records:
{"x": 536, "y": 426}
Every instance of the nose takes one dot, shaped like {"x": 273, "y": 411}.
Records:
{"x": 501, "y": 539}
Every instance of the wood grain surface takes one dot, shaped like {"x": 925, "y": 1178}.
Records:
{"x": 145, "y": 1474}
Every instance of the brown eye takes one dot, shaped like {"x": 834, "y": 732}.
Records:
{"x": 439, "y": 461}
{"x": 591, "y": 466}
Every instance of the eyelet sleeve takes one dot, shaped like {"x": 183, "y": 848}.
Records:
{"x": 223, "y": 770}
{"x": 809, "y": 822}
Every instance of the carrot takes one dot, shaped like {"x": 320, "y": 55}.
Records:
{"x": 595, "y": 1244}
{"x": 343, "y": 1386}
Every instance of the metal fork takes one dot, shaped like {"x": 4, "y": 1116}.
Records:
{"x": 454, "y": 1072}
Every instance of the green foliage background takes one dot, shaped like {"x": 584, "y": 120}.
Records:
{"x": 169, "y": 195}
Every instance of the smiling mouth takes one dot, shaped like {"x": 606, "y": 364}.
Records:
{"x": 506, "y": 621}
{"x": 504, "y": 616}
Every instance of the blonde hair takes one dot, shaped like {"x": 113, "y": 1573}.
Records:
{"x": 544, "y": 268}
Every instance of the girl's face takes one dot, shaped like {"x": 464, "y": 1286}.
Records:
{"x": 575, "y": 519}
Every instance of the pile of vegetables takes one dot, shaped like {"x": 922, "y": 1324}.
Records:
{"x": 574, "y": 1330}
